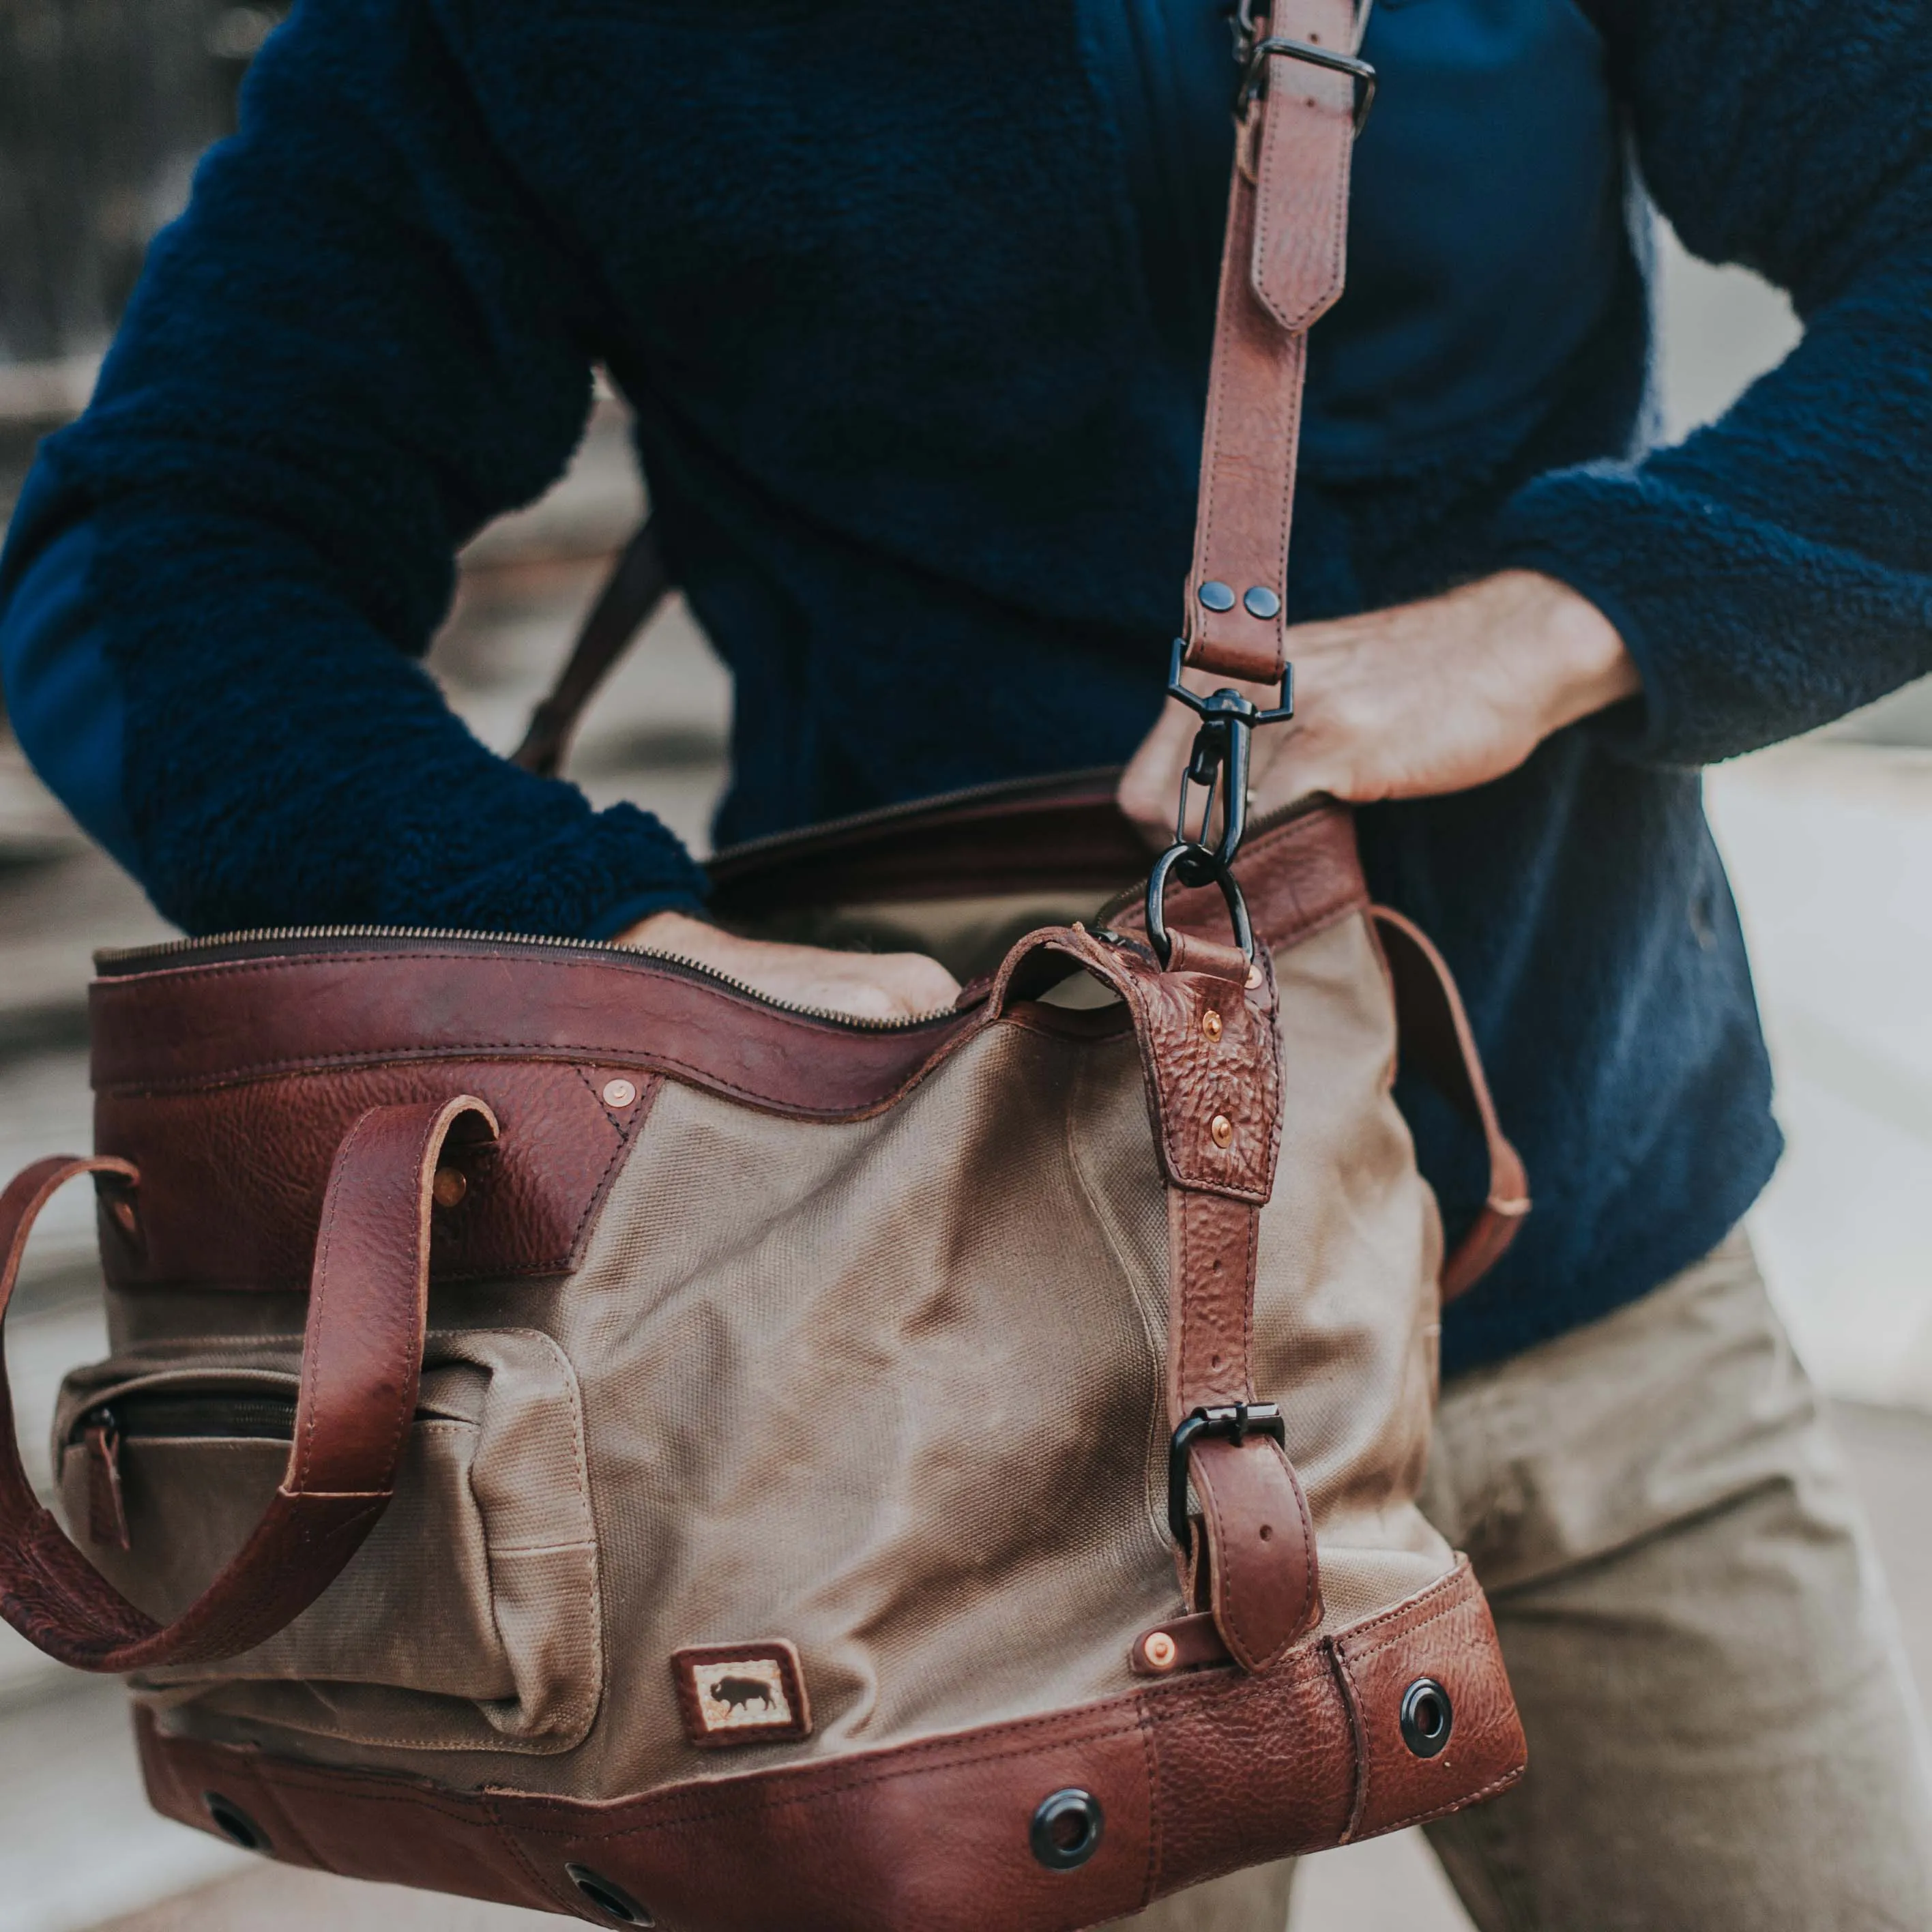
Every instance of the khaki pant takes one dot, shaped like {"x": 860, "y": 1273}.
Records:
{"x": 1722, "y": 1735}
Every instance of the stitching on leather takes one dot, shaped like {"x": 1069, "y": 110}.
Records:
{"x": 645, "y": 1105}
{"x": 506, "y": 1837}
{"x": 1150, "y": 1869}
{"x": 1358, "y": 1735}
{"x": 1458, "y": 1803}
{"x": 551, "y": 1052}
{"x": 779, "y": 1800}
{"x": 1407, "y": 1608}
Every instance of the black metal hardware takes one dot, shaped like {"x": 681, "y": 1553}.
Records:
{"x": 610, "y": 1899}
{"x": 1255, "y": 74}
{"x": 1219, "y": 765}
{"x": 1234, "y": 1422}
{"x": 1252, "y": 49}
{"x": 1427, "y": 1717}
{"x": 233, "y": 1823}
{"x": 1066, "y": 1827}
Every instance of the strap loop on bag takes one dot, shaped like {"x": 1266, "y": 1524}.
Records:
{"x": 1431, "y": 1022}
{"x": 361, "y": 1365}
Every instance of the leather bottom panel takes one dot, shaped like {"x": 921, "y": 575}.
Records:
{"x": 1193, "y": 1777}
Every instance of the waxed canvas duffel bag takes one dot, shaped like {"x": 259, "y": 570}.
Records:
{"x": 580, "y": 1433}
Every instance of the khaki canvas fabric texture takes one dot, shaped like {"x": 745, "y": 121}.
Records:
{"x": 798, "y": 1357}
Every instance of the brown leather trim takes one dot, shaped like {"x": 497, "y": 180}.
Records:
{"x": 1378, "y": 1661}
{"x": 361, "y": 1361}
{"x": 1433, "y": 1026}
{"x": 234, "y": 1174}
{"x": 190, "y": 1027}
{"x": 1197, "y": 1775}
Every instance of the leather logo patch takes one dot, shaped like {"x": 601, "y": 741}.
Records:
{"x": 742, "y": 1693}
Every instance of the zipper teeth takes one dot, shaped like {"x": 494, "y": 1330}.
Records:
{"x": 282, "y": 935}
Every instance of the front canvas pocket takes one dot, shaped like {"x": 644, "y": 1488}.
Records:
{"x": 470, "y": 1619}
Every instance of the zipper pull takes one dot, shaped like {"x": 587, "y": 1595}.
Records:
{"x": 106, "y": 1505}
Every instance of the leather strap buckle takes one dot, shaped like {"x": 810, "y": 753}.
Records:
{"x": 1233, "y": 1422}
{"x": 1255, "y": 74}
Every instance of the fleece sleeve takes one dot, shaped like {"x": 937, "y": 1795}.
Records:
{"x": 361, "y": 342}
{"x": 1773, "y": 570}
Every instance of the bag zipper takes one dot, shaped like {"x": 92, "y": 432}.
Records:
{"x": 166, "y": 1417}
{"x": 118, "y": 962}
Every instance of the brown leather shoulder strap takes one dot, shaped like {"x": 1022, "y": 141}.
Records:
{"x": 361, "y": 1363}
{"x": 1281, "y": 268}
{"x": 1433, "y": 1026}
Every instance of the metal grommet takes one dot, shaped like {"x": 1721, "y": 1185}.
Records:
{"x": 234, "y": 1823}
{"x": 1221, "y": 1129}
{"x": 1261, "y": 602}
{"x": 1216, "y": 595}
{"x": 451, "y": 1185}
{"x": 1066, "y": 1829}
{"x": 619, "y": 1093}
{"x": 1210, "y": 1024}
{"x": 610, "y": 1899}
{"x": 1427, "y": 1717}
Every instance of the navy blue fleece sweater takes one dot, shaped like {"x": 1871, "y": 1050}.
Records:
{"x": 915, "y": 327}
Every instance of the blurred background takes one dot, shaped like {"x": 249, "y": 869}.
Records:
{"x": 104, "y": 106}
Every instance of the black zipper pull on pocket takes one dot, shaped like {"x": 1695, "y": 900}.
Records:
{"x": 107, "y": 1504}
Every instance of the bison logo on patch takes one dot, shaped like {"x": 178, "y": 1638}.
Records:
{"x": 742, "y": 1693}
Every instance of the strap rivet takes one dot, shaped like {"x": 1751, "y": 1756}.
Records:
{"x": 619, "y": 1093}
{"x": 1159, "y": 1651}
{"x": 1221, "y": 1129}
{"x": 1216, "y": 595}
{"x": 1261, "y": 602}
{"x": 449, "y": 1187}
{"x": 1210, "y": 1024}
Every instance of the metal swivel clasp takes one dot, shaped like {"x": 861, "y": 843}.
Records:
{"x": 1218, "y": 768}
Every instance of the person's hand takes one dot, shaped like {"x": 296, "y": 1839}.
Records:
{"x": 1428, "y": 697}
{"x": 868, "y": 985}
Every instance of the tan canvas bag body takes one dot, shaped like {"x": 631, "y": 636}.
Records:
{"x": 580, "y": 1434}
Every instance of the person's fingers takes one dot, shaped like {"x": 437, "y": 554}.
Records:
{"x": 914, "y": 983}
{"x": 1151, "y": 782}
{"x": 875, "y": 986}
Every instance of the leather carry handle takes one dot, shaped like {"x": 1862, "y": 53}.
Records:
{"x": 1432, "y": 1023}
{"x": 361, "y": 1364}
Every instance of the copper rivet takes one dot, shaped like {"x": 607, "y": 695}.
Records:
{"x": 619, "y": 1093}
{"x": 452, "y": 1185}
{"x": 1161, "y": 1651}
{"x": 1210, "y": 1024}
{"x": 1254, "y": 977}
{"x": 1222, "y": 1128}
